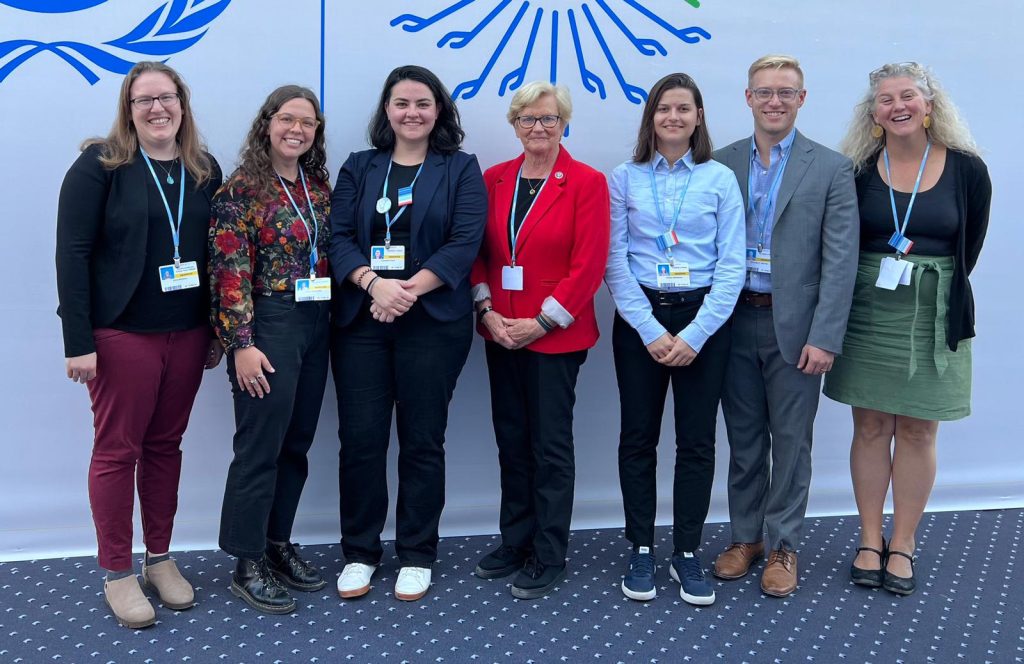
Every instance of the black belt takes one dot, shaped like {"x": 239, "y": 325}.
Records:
{"x": 755, "y": 299}
{"x": 668, "y": 298}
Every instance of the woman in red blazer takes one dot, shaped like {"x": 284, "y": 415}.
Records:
{"x": 541, "y": 262}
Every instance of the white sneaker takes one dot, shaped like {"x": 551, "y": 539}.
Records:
{"x": 412, "y": 583}
{"x": 354, "y": 580}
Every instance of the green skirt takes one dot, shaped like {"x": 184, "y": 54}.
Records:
{"x": 895, "y": 357}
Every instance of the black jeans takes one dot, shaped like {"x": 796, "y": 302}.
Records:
{"x": 409, "y": 367}
{"x": 273, "y": 434}
{"x": 696, "y": 391}
{"x": 532, "y": 398}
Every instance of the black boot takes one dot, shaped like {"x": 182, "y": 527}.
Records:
{"x": 292, "y": 570}
{"x": 254, "y": 584}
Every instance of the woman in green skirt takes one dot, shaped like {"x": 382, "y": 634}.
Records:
{"x": 906, "y": 365}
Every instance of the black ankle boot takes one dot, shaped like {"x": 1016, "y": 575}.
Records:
{"x": 254, "y": 584}
{"x": 290, "y": 569}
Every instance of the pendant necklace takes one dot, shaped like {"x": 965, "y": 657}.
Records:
{"x": 170, "y": 178}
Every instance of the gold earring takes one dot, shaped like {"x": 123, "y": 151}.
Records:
{"x": 877, "y": 131}
{"x": 927, "y": 121}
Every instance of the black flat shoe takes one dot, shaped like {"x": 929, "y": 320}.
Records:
{"x": 871, "y": 578}
{"x": 254, "y": 584}
{"x": 899, "y": 584}
{"x": 290, "y": 569}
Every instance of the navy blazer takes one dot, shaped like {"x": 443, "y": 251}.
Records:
{"x": 447, "y": 224}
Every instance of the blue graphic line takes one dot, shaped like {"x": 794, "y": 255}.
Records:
{"x": 645, "y": 46}
{"x": 416, "y": 23}
{"x": 632, "y": 92}
{"x": 591, "y": 81}
{"x": 684, "y": 34}
{"x": 461, "y": 38}
{"x": 323, "y": 45}
{"x": 514, "y": 79}
{"x": 94, "y": 55}
{"x": 52, "y": 6}
{"x": 468, "y": 89}
{"x": 554, "y": 47}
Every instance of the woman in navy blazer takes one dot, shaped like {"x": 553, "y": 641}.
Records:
{"x": 407, "y": 218}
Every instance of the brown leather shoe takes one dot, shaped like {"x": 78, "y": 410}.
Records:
{"x": 735, "y": 561}
{"x": 780, "y": 575}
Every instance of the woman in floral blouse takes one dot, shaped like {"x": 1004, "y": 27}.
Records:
{"x": 269, "y": 277}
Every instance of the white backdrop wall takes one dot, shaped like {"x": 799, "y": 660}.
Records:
{"x": 245, "y": 49}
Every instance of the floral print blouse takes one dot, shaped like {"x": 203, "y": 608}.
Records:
{"x": 259, "y": 245}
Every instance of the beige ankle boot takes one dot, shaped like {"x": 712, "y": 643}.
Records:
{"x": 130, "y": 606}
{"x": 174, "y": 591}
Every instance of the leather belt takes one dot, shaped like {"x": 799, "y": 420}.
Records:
{"x": 669, "y": 298}
{"x": 755, "y": 299}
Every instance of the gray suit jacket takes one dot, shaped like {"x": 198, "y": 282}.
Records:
{"x": 815, "y": 244}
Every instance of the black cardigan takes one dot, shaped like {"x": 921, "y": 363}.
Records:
{"x": 102, "y": 228}
{"x": 973, "y": 199}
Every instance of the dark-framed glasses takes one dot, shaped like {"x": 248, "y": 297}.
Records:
{"x": 167, "y": 100}
{"x": 528, "y": 121}
{"x": 288, "y": 121}
{"x": 785, "y": 94}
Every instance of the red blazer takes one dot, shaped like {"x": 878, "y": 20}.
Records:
{"x": 562, "y": 248}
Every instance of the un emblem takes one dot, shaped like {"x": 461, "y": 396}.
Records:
{"x": 172, "y": 27}
{"x": 589, "y": 23}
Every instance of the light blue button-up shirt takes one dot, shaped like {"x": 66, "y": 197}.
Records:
{"x": 711, "y": 227}
{"x": 758, "y": 187}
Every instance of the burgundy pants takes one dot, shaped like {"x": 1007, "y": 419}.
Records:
{"x": 141, "y": 399}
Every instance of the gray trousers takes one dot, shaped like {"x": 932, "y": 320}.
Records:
{"x": 769, "y": 407}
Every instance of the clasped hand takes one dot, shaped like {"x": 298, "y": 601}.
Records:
{"x": 391, "y": 299}
{"x": 671, "y": 351}
{"x": 512, "y": 333}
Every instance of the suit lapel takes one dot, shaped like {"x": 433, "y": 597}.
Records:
{"x": 553, "y": 189}
{"x": 426, "y": 188}
{"x": 504, "y": 189}
{"x": 796, "y": 168}
{"x": 740, "y": 165}
{"x": 372, "y": 188}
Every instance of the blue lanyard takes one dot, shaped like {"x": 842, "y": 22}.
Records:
{"x": 311, "y": 236}
{"x": 512, "y": 230}
{"x": 769, "y": 198}
{"x": 913, "y": 195}
{"x": 175, "y": 228}
{"x": 387, "y": 215}
{"x": 657, "y": 199}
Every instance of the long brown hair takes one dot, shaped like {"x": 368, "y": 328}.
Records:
{"x": 122, "y": 143}
{"x": 254, "y": 160}
{"x": 647, "y": 140}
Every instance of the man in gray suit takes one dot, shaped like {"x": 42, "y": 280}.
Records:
{"x": 789, "y": 323}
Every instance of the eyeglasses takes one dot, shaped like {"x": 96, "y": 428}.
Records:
{"x": 288, "y": 121}
{"x": 528, "y": 121}
{"x": 785, "y": 94}
{"x": 168, "y": 100}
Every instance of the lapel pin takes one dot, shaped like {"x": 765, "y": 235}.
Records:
{"x": 559, "y": 175}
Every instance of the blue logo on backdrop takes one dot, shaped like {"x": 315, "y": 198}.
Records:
{"x": 581, "y": 17}
{"x": 171, "y": 28}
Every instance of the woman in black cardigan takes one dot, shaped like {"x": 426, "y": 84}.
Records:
{"x": 132, "y": 222}
{"x": 924, "y": 196}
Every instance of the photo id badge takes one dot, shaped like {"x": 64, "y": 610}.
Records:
{"x": 313, "y": 290}
{"x": 759, "y": 261}
{"x": 673, "y": 275}
{"x": 512, "y": 277}
{"x": 890, "y": 273}
{"x": 387, "y": 258}
{"x": 179, "y": 277}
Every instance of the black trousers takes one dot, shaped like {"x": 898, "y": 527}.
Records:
{"x": 532, "y": 398}
{"x": 408, "y": 367}
{"x": 696, "y": 391}
{"x": 273, "y": 434}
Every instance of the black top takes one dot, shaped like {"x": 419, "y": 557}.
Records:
{"x": 523, "y": 203}
{"x": 103, "y": 235}
{"x": 401, "y": 235}
{"x": 934, "y": 222}
{"x": 973, "y": 194}
{"x": 150, "y": 309}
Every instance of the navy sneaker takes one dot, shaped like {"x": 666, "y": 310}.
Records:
{"x": 638, "y": 583}
{"x": 694, "y": 588}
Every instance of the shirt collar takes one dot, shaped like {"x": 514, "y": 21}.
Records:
{"x": 784, "y": 145}
{"x": 660, "y": 163}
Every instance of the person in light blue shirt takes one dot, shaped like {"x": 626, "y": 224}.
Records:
{"x": 675, "y": 270}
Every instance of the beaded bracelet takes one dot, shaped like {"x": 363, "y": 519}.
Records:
{"x": 359, "y": 279}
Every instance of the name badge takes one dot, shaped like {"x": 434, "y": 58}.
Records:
{"x": 893, "y": 273}
{"x": 405, "y": 196}
{"x": 900, "y": 243}
{"x": 673, "y": 275}
{"x": 179, "y": 277}
{"x": 387, "y": 258}
{"x": 759, "y": 261}
{"x": 512, "y": 277}
{"x": 313, "y": 290}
